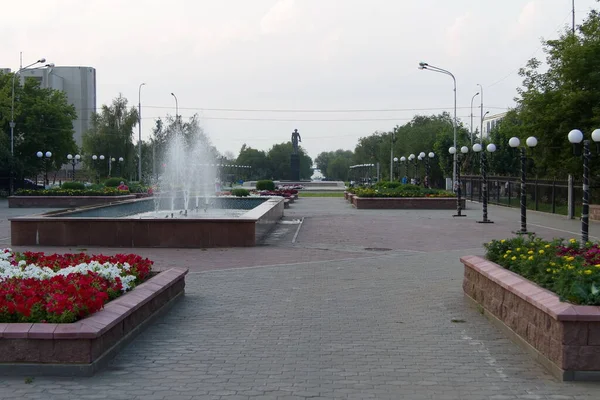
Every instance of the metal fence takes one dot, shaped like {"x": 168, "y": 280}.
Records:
{"x": 542, "y": 194}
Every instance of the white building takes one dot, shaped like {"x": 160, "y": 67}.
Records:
{"x": 490, "y": 122}
{"x": 79, "y": 84}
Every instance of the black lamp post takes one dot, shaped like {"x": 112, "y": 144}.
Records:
{"x": 427, "y": 167}
{"x": 477, "y": 148}
{"x": 47, "y": 156}
{"x": 576, "y": 137}
{"x": 413, "y": 158}
{"x": 396, "y": 167}
{"x": 531, "y": 142}
{"x": 73, "y": 160}
{"x": 403, "y": 162}
{"x": 463, "y": 150}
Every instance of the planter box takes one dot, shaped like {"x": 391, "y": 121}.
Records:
{"x": 63, "y": 201}
{"x": 563, "y": 337}
{"x": 83, "y": 347}
{"x": 406, "y": 203}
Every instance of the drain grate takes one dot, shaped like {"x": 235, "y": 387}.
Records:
{"x": 377, "y": 249}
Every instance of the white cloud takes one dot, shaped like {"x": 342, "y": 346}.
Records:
{"x": 458, "y": 35}
{"x": 527, "y": 20}
{"x": 282, "y": 17}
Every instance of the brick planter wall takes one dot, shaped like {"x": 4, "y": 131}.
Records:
{"x": 595, "y": 212}
{"x": 406, "y": 203}
{"x": 83, "y": 347}
{"x": 63, "y": 201}
{"x": 565, "y": 338}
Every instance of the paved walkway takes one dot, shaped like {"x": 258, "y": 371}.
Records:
{"x": 361, "y": 306}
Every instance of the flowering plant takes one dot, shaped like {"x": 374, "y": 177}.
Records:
{"x": 63, "y": 288}
{"x": 567, "y": 268}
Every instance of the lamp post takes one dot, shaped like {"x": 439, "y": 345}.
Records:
{"x": 477, "y": 148}
{"x": 119, "y": 165}
{"x": 392, "y": 159}
{"x": 73, "y": 160}
{"x": 424, "y": 65}
{"x": 472, "y": 98}
{"x": 140, "y": 131}
{"x": 481, "y": 111}
{"x": 403, "y": 161}
{"x": 47, "y": 156}
{"x": 463, "y": 150}
{"x": 397, "y": 169}
{"x": 176, "y": 108}
{"x": 431, "y": 155}
{"x": 12, "y": 122}
{"x": 413, "y": 159}
{"x": 94, "y": 162}
{"x": 531, "y": 142}
{"x": 576, "y": 137}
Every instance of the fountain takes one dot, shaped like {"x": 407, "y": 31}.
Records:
{"x": 184, "y": 211}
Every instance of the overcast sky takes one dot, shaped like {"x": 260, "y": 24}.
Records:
{"x": 290, "y": 55}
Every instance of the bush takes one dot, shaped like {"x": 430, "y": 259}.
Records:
{"x": 388, "y": 184}
{"x": 70, "y": 192}
{"x": 401, "y": 191}
{"x": 114, "y": 182}
{"x": 138, "y": 188}
{"x": 73, "y": 186}
{"x": 265, "y": 185}
{"x": 240, "y": 192}
{"x": 570, "y": 270}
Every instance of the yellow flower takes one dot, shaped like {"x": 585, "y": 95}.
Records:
{"x": 552, "y": 264}
{"x": 547, "y": 246}
{"x": 569, "y": 259}
{"x": 530, "y": 252}
{"x": 506, "y": 255}
{"x": 570, "y": 266}
{"x": 508, "y": 251}
{"x": 587, "y": 271}
{"x": 548, "y": 270}
{"x": 502, "y": 241}
{"x": 513, "y": 258}
{"x": 572, "y": 241}
{"x": 518, "y": 249}
{"x": 541, "y": 251}
{"x": 530, "y": 258}
{"x": 523, "y": 257}
{"x": 597, "y": 265}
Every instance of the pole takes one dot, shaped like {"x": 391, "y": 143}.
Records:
{"x": 73, "y": 163}
{"x": 481, "y": 111}
{"x": 392, "y": 157}
{"x": 472, "y": 98}
{"x": 458, "y": 193}
{"x": 454, "y": 126}
{"x": 586, "y": 192}
{"x": 573, "y": 26}
{"x": 523, "y": 230}
{"x": 484, "y": 189}
{"x": 140, "y": 132}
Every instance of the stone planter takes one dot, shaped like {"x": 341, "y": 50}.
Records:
{"x": 563, "y": 337}
{"x": 406, "y": 203}
{"x": 63, "y": 201}
{"x": 83, "y": 347}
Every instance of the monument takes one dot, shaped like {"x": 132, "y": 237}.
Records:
{"x": 295, "y": 157}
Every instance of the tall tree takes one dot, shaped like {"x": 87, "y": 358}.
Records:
{"x": 111, "y": 135}
{"x": 44, "y": 122}
{"x": 279, "y": 158}
{"x": 260, "y": 166}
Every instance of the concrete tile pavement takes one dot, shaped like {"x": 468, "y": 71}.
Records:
{"x": 330, "y": 320}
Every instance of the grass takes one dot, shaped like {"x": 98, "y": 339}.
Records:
{"x": 320, "y": 194}
{"x": 560, "y": 209}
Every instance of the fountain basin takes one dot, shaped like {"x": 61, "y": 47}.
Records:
{"x": 242, "y": 222}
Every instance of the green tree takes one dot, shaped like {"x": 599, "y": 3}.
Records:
{"x": 260, "y": 166}
{"x": 279, "y": 158}
{"x": 561, "y": 97}
{"x": 335, "y": 165}
{"x": 111, "y": 135}
{"x": 44, "y": 122}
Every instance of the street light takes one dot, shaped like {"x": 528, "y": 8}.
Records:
{"x": 412, "y": 158}
{"x": 176, "y": 107}
{"x": 424, "y": 65}
{"x": 576, "y": 137}
{"x": 392, "y": 155}
{"x": 140, "y": 131}
{"x": 457, "y": 185}
{"x": 119, "y": 165}
{"x": 397, "y": 167}
{"x": 12, "y": 123}
{"x": 47, "y": 154}
{"x": 427, "y": 168}
{"x": 477, "y": 148}
{"x": 472, "y": 98}
{"x": 531, "y": 142}
{"x": 74, "y": 160}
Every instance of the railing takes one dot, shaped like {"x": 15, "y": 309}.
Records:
{"x": 544, "y": 195}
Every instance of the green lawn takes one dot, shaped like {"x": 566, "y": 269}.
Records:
{"x": 543, "y": 207}
{"x": 320, "y": 194}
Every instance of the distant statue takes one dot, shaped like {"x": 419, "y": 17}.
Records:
{"x": 295, "y": 139}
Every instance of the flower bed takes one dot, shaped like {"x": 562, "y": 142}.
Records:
{"x": 107, "y": 191}
{"x": 400, "y": 191}
{"x": 35, "y": 287}
{"x": 570, "y": 270}
{"x": 544, "y": 296}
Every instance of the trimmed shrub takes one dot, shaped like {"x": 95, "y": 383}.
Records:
{"x": 114, "y": 182}
{"x": 73, "y": 186}
{"x": 265, "y": 185}
{"x": 240, "y": 192}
